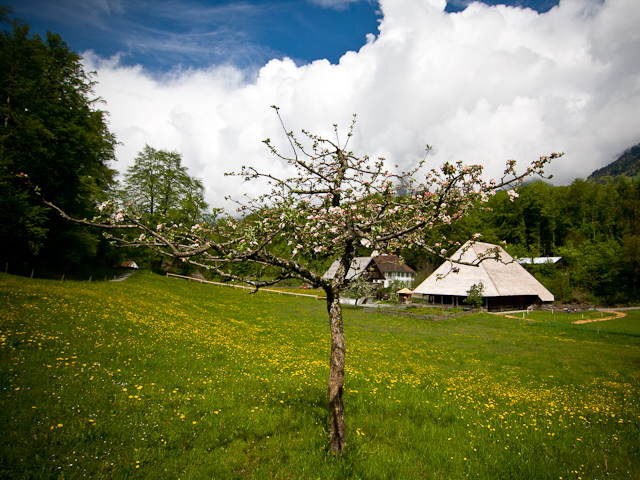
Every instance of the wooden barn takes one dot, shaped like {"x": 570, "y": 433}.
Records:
{"x": 404, "y": 295}
{"x": 507, "y": 285}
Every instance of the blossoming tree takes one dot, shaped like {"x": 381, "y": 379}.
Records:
{"x": 335, "y": 203}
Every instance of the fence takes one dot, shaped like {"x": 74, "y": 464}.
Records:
{"x": 558, "y": 307}
{"x": 389, "y": 312}
{"x": 431, "y": 318}
{"x": 23, "y": 271}
{"x": 279, "y": 292}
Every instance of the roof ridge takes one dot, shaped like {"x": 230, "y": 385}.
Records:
{"x": 482, "y": 263}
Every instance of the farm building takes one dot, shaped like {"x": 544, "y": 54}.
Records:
{"x": 540, "y": 261}
{"x": 380, "y": 270}
{"x": 404, "y": 295}
{"x": 507, "y": 285}
{"x": 359, "y": 267}
{"x": 391, "y": 268}
{"x": 129, "y": 264}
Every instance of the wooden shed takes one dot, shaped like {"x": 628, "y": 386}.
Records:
{"x": 404, "y": 295}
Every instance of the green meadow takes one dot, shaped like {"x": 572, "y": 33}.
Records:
{"x": 157, "y": 377}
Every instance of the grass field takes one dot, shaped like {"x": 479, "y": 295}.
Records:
{"x": 161, "y": 378}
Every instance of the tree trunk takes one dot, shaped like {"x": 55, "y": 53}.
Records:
{"x": 337, "y": 437}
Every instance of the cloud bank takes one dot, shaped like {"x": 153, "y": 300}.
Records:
{"x": 483, "y": 85}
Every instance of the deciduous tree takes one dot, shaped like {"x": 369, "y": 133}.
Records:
{"x": 475, "y": 295}
{"x": 158, "y": 186}
{"x": 51, "y": 131}
{"x": 336, "y": 203}
{"x": 358, "y": 289}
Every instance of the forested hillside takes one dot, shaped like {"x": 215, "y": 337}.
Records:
{"x": 594, "y": 228}
{"x": 626, "y": 166}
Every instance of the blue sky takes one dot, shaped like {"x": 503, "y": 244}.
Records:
{"x": 161, "y": 34}
{"x": 481, "y": 82}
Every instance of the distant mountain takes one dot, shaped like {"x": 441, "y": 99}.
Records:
{"x": 627, "y": 165}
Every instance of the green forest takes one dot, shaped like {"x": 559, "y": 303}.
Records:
{"x": 595, "y": 228}
{"x": 55, "y": 144}
{"x": 54, "y": 136}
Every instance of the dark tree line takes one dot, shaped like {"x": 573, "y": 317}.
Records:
{"x": 53, "y": 135}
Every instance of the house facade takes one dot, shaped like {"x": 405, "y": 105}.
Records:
{"x": 391, "y": 268}
{"x": 380, "y": 270}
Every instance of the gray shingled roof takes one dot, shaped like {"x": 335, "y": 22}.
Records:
{"x": 358, "y": 267}
{"x": 503, "y": 278}
{"x": 538, "y": 260}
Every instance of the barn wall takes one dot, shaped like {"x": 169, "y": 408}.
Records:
{"x": 494, "y": 304}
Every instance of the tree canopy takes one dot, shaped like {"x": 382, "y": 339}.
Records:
{"x": 159, "y": 187}
{"x": 53, "y": 134}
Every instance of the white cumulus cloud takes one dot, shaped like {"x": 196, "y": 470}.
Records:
{"x": 484, "y": 85}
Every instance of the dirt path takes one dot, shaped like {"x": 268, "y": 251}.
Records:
{"x": 580, "y": 322}
{"x": 604, "y": 319}
{"x": 122, "y": 277}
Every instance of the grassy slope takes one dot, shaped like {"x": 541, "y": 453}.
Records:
{"x": 161, "y": 378}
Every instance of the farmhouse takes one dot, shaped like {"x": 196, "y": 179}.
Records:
{"x": 391, "y": 268}
{"x": 380, "y": 270}
{"x": 507, "y": 285}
